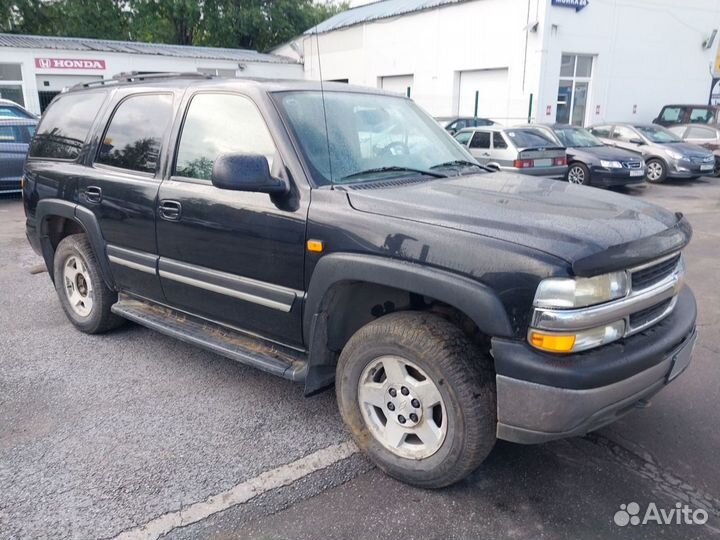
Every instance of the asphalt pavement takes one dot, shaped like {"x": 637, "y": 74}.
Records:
{"x": 136, "y": 434}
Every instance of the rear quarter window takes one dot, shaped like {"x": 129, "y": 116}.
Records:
{"x": 65, "y": 126}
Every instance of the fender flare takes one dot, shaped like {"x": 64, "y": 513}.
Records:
{"x": 476, "y": 300}
{"x": 47, "y": 208}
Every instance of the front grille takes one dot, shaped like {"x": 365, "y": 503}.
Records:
{"x": 632, "y": 164}
{"x": 650, "y": 315}
{"x": 647, "y": 277}
{"x": 700, "y": 159}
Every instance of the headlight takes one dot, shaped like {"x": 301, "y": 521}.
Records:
{"x": 675, "y": 155}
{"x": 567, "y": 293}
{"x": 611, "y": 164}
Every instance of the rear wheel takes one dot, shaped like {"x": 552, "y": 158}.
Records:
{"x": 84, "y": 296}
{"x": 656, "y": 171}
{"x": 578, "y": 173}
{"x": 416, "y": 400}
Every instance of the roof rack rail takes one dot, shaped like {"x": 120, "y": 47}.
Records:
{"x": 136, "y": 76}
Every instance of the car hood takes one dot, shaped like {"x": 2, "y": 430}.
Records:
{"x": 609, "y": 153}
{"x": 568, "y": 221}
{"x": 687, "y": 149}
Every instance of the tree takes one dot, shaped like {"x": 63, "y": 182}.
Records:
{"x": 247, "y": 24}
{"x": 103, "y": 19}
{"x": 166, "y": 21}
{"x": 262, "y": 24}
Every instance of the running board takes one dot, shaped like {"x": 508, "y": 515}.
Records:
{"x": 254, "y": 352}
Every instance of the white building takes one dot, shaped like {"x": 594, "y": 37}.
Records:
{"x": 35, "y": 68}
{"x": 585, "y": 61}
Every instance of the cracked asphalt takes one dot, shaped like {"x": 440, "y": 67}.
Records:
{"x": 102, "y": 434}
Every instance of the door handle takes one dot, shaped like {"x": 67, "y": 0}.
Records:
{"x": 170, "y": 210}
{"x": 93, "y": 194}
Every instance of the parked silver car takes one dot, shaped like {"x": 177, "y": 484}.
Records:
{"x": 520, "y": 150}
{"x": 707, "y": 136}
{"x": 666, "y": 155}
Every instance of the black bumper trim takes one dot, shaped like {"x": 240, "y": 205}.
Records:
{"x": 602, "y": 366}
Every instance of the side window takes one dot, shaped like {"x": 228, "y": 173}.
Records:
{"x": 463, "y": 137}
{"x": 10, "y": 134}
{"x": 671, "y": 114}
{"x": 499, "y": 140}
{"x": 481, "y": 139}
{"x": 134, "y": 135}
{"x": 623, "y": 133}
{"x": 701, "y": 116}
{"x": 218, "y": 124}
{"x": 698, "y": 132}
{"x": 601, "y": 131}
{"x": 11, "y": 112}
{"x": 65, "y": 125}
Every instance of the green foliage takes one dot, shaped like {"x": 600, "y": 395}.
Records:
{"x": 247, "y": 24}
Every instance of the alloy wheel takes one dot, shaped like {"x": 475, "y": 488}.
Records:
{"x": 576, "y": 175}
{"x": 654, "y": 171}
{"x": 402, "y": 407}
{"x": 78, "y": 286}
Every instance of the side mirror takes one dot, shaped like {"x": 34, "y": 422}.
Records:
{"x": 639, "y": 142}
{"x": 245, "y": 172}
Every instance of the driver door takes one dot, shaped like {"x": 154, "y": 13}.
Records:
{"x": 230, "y": 256}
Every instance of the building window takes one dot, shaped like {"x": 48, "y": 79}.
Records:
{"x": 11, "y": 83}
{"x": 574, "y": 88}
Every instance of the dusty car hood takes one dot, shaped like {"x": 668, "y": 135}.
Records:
{"x": 610, "y": 153}
{"x": 568, "y": 221}
{"x": 687, "y": 149}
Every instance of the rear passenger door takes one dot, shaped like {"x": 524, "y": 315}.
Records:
{"x": 480, "y": 146}
{"x": 13, "y": 148}
{"x": 121, "y": 186}
{"x": 231, "y": 256}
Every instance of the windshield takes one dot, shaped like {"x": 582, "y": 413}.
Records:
{"x": 577, "y": 137}
{"x": 528, "y": 138}
{"x": 658, "y": 134}
{"x": 371, "y": 136}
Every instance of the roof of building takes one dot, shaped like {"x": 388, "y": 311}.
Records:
{"x": 377, "y": 10}
{"x": 134, "y": 47}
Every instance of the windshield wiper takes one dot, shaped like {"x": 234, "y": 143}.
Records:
{"x": 458, "y": 163}
{"x": 392, "y": 168}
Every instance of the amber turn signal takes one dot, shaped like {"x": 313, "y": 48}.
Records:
{"x": 552, "y": 342}
{"x": 315, "y": 246}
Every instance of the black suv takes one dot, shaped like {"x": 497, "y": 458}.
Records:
{"x": 449, "y": 305}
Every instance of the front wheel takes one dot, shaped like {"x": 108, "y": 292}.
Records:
{"x": 417, "y": 399}
{"x": 656, "y": 171}
{"x": 578, "y": 174}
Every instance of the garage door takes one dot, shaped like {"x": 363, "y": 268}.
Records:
{"x": 397, "y": 83}
{"x": 491, "y": 86}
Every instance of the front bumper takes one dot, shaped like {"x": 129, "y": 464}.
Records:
{"x": 680, "y": 169}
{"x": 599, "y": 176}
{"x": 541, "y": 397}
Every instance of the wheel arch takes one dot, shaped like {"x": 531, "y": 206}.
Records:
{"x": 348, "y": 291}
{"x": 57, "y": 219}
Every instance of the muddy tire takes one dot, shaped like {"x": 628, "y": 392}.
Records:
{"x": 84, "y": 296}
{"x": 418, "y": 398}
